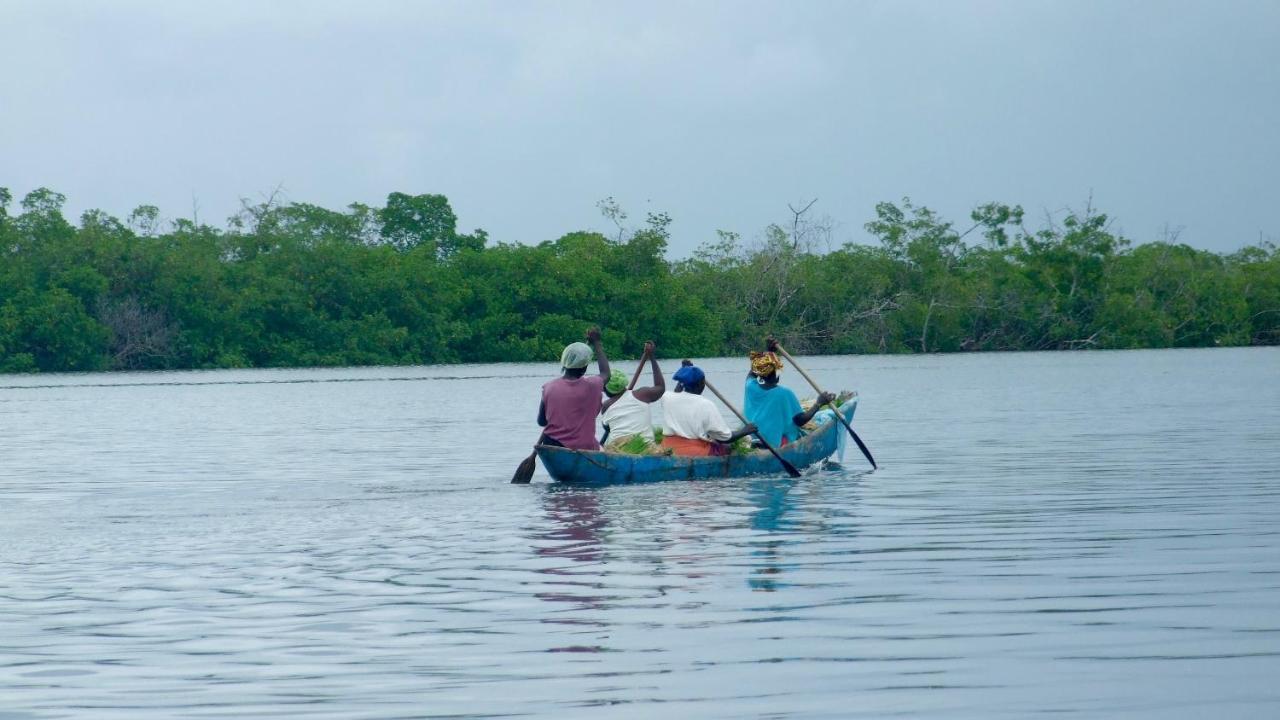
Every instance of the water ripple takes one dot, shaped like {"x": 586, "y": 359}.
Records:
{"x": 322, "y": 544}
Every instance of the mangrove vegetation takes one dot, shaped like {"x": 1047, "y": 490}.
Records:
{"x": 293, "y": 284}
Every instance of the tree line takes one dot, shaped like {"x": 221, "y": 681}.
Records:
{"x": 293, "y": 284}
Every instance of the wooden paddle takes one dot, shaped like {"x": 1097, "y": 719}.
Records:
{"x": 840, "y": 416}
{"x": 524, "y": 471}
{"x": 791, "y": 469}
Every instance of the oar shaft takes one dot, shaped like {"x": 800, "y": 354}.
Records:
{"x": 644, "y": 358}
{"x": 786, "y": 465}
{"x": 805, "y": 375}
{"x": 839, "y": 416}
{"x": 799, "y": 369}
{"x": 725, "y": 401}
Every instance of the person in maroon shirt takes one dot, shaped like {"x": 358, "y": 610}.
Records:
{"x": 571, "y": 402}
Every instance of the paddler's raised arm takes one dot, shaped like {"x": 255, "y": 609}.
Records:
{"x": 593, "y": 338}
{"x": 653, "y": 393}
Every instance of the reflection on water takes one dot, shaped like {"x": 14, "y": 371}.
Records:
{"x": 1088, "y": 534}
{"x": 771, "y": 499}
{"x": 573, "y": 533}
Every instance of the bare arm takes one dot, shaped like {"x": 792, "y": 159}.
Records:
{"x": 593, "y": 337}
{"x": 745, "y": 430}
{"x": 803, "y": 418}
{"x": 542, "y": 414}
{"x": 651, "y": 394}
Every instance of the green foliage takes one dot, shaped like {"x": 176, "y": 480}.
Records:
{"x": 1258, "y": 271}
{"x": 634, "y": 445}
{"x": 424, "y": 222}
{"x": 50, "y": 330}
{"x": 297, "y": 284}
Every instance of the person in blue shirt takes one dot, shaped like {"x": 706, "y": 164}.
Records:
{"x": 771, "y": 407}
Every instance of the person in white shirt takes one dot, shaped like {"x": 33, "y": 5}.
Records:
{"x": 626, "y": 413}
{"x": 692, "y": 425}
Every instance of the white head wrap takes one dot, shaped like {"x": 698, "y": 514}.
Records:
{"x": 575, "y": 355}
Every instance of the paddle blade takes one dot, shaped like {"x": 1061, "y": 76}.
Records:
{"x": 791, "y": 469}
{"x": 524, "y": 473}
{"x": 862, "y": 446}
{"x": 786, "y": 464}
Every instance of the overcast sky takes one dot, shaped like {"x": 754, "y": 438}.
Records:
{"x": 719, "y": 113}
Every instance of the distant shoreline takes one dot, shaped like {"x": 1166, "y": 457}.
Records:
{"x": 39, "y": 379}
{"x": 300, "y": 286}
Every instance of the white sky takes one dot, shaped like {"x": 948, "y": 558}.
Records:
{"x": 720, "y": 113}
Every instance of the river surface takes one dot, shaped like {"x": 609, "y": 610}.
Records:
{"x": 1050, "y": 534}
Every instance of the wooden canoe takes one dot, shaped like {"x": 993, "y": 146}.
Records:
{"x": 586, "y": 467}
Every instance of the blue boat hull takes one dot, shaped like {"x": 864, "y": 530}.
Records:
{"x": 584, "y": 467}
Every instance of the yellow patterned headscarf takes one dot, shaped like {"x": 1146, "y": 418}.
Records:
{"x": 764, "y": 363}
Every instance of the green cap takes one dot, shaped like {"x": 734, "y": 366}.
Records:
{"x": 617, "y": 382}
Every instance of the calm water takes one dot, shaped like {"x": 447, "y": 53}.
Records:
{"x": 1087, "y": 535}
